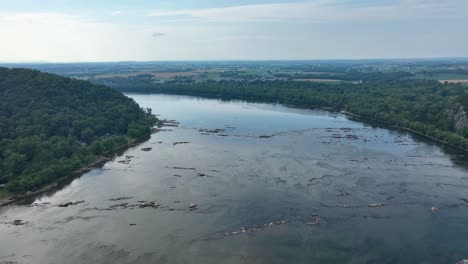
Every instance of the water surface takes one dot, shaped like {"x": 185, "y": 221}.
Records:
{"x": 272, "y": 185}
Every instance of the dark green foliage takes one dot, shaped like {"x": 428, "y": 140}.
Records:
{"x": 420, "y": 105}
{"x": 51, "y": 126}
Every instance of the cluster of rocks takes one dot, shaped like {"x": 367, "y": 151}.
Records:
{"x": 139, "y": 204}
{"x": 180, "y": 142}
{"x": 256, "y": 228}
{"x": 126, "y": 160}
{"x": 145, "y": 204}
{"x": 316, "y": 180}
{"x": 70, "y": 203}
{"x": 347, "y": 136}
{"x": 352, "y": 136}
{"x": 181, "y": 168}
{"x": 16, "y": 222}
{"x": 155, "y": 130}
{"x": 345, "y": 130}
{"x": 38, "y": 204}
{"x": 372, "y": 205}
{"x": 211, "y": 131}
{"x": 314, "y": 221}
{"x": 336, "y": 136}
{"x": 120, "y": 198}
{"x": 169, "y": 123}
{"x": 342, "y": 193}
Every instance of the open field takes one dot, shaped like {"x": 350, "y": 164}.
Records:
{"x": 318, "y": 80}
{"x": 454, "y": 81}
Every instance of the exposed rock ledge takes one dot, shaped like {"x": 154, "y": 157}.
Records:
{"x": 459, "y": 117}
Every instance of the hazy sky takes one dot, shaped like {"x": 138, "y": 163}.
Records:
{"x": 114, "y": 30}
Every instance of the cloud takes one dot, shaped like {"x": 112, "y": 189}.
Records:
{"x": 325, "y": 11}
{"x": 321, "y": 29}
{"x": 158, "y": 34}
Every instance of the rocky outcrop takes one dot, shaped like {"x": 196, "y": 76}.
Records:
{"x": 460, "y": 118}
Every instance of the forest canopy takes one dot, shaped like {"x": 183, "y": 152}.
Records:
{"x": 51, "y": 126}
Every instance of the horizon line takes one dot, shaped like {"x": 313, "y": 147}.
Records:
{"x": 239, "y": 60}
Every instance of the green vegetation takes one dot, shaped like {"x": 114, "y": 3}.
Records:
{"x": 420, "y": 105}
{"x": 51, "y": 126}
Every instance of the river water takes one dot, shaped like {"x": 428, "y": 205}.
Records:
{"x": 272, "y": 185}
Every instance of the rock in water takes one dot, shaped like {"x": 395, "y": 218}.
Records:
{"x": 18, "y": 222}
{"x": 146, "y": 149}
{"x": 465, "y": 261}
{"x": 192, "y": 206}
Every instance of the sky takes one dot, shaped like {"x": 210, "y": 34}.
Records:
{"x": 161, "y": 30}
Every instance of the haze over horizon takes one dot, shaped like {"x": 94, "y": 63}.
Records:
{"x": 142, "y": 30}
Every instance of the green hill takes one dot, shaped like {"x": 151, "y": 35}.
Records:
{"x": 52, "y": 125}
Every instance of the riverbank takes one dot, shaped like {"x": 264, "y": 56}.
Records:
{"x": 403, "y": 128}
{"x": 99, "y": 161}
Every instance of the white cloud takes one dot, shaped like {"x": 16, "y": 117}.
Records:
{"x": 325, "y": 10}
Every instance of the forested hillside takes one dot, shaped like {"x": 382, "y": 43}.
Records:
{"x": 425, "y": 106}
{"x": 52, "y": 125}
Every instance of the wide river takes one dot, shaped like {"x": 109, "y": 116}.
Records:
{"x": 271, "y": 184}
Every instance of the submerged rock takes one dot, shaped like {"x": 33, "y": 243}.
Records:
{"x": 182, "y": 168}
{"x": 214, "y": 131}
{"x": 315, "y": 221}
{"x": 180, "y": 142}
{"x": 18, "y": 222}
{"x": 70, "y": 203}
{"x": 120, "y": 198}
{"x": 148, "y": 204}
{"x": 146, "y": 149}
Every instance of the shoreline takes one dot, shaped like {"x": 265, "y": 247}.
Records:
{"x": 98, "y": 162}
{"x": 403, "y": 128}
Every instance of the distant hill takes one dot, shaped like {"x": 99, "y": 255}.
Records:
{"x": 52, "y": 125}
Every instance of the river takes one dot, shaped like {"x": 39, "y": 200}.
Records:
{"x": 268, "y": 184}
